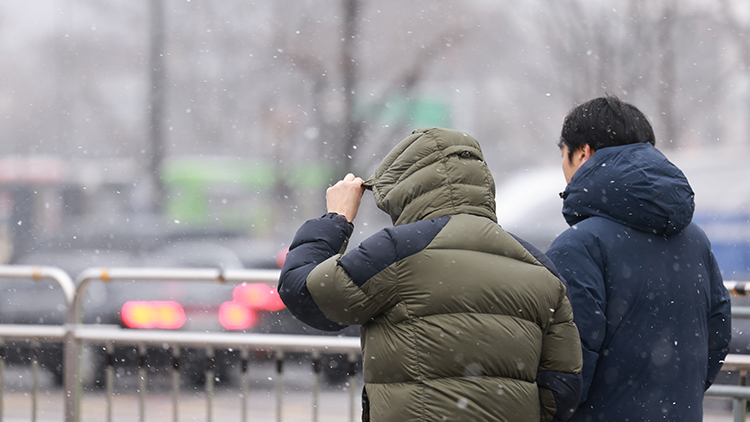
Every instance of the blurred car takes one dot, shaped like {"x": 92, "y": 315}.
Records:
{"x": 171, "y": 305}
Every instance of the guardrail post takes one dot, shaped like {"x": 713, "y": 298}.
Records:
{"x": 740, "y": 405}
{"x": 317, "y": 369}
{"x": 279, "y": 385}
{"x": 143, "y": 375}
{"x": 110, "y": 378}
{"x": 176, "y": 383}
{"x": 210, "y": 374}
{"x": 244, "y": 381}
{"x": 2, "y": 376}
{"x": 71, "y": 374}
{"x": 352, "y": 371}
{"x": 34, "y": 378}
{"x": 71, "y": 362}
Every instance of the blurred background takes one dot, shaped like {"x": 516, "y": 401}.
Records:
{"x": 136, "y": 126}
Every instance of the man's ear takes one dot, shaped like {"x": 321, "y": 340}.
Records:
{"x": 585, "y": 152}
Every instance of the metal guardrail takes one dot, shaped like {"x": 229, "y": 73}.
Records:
{"x": 42, "y": 273}
{"x": 73, "y": 334}
{"x": 34, "y": 332}
{"x": 280, "y": 344}
{"x": 74, "y": 313}
{"x": 739, "y": 394}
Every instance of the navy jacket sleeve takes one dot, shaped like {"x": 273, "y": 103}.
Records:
{"x": 580, "y": 263}
{"x": 565, "y": 387}
{"x": 317, "y": 240}
{"x": 719, "y": 324}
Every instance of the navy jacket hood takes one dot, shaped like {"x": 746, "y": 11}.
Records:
{"x": 634, "y": 185}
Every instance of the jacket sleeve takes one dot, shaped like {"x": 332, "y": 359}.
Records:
{"x": 315, "y": 242}
{"x": 579, "y": 262}
{"x": 354, "y": 288}
{"x": 328, "y": 290}
{"x": 559, "y": 375}
{"x": 719, "y": 323}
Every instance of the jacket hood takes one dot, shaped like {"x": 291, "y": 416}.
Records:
{"x": 432, "y": 173}
{"x": 634, "y": 185}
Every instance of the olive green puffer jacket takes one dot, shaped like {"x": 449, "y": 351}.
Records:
{"x": 460, "y": 320}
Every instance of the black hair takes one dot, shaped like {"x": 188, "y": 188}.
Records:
{"x": 605, "y": 122}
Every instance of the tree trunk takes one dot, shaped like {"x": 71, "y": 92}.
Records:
{"x": 352, "y": 126}
{"x": 666, "y": 78}
{"x": 157, "y": 100}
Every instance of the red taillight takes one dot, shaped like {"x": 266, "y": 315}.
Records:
{"x": 153, "y": 314}
{"x": 235, "y": 316}
{"x": 240, "y": 313}
{"x": 258, "y": 296}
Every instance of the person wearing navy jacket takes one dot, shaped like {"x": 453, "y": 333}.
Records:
{"x": 647, "y": 295}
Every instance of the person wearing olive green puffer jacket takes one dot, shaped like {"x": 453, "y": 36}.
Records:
{"x": 461, "y": 321}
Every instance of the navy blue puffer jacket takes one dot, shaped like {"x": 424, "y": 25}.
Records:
{"x": 647, "y": 294}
